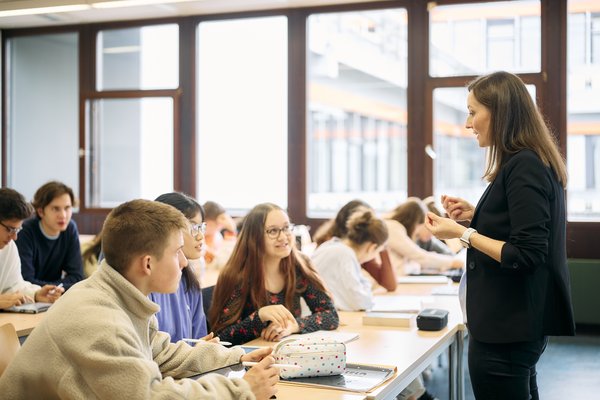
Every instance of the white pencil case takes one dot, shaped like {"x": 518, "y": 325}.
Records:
{"x": 316, "y": 357}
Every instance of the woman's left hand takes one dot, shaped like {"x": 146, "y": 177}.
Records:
{"x": 443, "y": 228}
{"x": 275, "y": 332}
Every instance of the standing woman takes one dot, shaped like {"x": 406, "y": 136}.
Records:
{"x": 517, "y": 282}
{"x": 259, "y": 289}
{"x": 181, "y": 313}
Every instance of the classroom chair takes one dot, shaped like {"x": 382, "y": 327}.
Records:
{"x": 9, "y": 345}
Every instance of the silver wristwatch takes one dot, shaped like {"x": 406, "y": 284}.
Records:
{"x": 465, "y": 239}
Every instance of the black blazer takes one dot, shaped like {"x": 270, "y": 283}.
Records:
{"x": 527, "y": 295}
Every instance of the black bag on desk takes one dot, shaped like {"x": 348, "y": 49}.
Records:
{"x": 432, "y": 319}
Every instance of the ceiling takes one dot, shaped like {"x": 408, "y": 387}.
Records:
{"x": 89, "y": 10}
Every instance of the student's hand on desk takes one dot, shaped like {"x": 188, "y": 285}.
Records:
{"x": 49, "y": 293}
{"x": 275, "y": 332}
{"x": 443, "y": 228}
{"x": 277, "y": 314}
{"x": 13, "y": 299}
{"x": 262, "y": 377}
{"x": 211, "y": 338}
{"x": 257, "y": 355}
{"x": 457, "y": 208}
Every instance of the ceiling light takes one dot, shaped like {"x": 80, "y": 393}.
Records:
{"x": 132, "y": 3}
{"x": 44, "y": 10}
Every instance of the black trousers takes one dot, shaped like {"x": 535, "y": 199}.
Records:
{"x": 505, "y": 371}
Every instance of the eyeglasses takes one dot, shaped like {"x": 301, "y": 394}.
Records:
{"x": 197, "y": 229}
{"x": 274, "y": 232}
{"x": 11, "y": 230}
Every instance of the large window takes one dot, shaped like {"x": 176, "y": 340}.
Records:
{"x": 356, "y": 135}
{"x": 473, "y": 39}
{"x": 459, "y": 162}
{"x": 138, "y": 58}
{"x": 242, "y": 147}
{"x": 129, "y": 150}
{"x": 583, "y": 111}
{"x": 130, "y": 131}
{"x": 42, "y": 119}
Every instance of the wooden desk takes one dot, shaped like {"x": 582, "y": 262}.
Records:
{"x": 408, "y": 349}
{"x": 24, "y": 323}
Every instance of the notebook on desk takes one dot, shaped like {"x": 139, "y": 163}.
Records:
{"x": 423, "y": 279}
{"x": 30, "y": 308}
{"x": 357, "y": 378}
{"x": 396, "y": 304}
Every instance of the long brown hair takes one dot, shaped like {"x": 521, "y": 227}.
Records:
{"x": 244, "y": 272}
{"x": 410, "y": 214}
{"x": 516, "y": 124}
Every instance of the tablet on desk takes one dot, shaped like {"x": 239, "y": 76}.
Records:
{"x": 30, "y": 308}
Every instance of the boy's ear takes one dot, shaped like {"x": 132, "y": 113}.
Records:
{"x": 143, "y": 265}
{"x": 39, "y": 212}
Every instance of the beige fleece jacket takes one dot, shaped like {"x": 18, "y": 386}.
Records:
{"x": 100, "y": 341}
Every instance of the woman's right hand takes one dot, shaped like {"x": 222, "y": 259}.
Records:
{"x": 458, "y": 209}
{"x": 277, "y": 314}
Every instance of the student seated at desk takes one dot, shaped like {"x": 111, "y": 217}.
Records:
{"x": 407, "y": 257}
{"x": 259, "y": 289}
{"x": 49, "y": 243}
{"x": 14, "y": 290}
{"x": 379, "y": 268}
{"x": 220, "y": 237}
{"x": 181, "y": 313}
{"x": 338, "y": 260}
{"x": 101, "y": 340}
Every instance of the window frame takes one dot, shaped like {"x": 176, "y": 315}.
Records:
{"x": 550, "y": 85}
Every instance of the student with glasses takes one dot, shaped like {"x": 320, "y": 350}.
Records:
{"x": 14, "y": 290}
{"x": 181, "y": 313}
{"x": 259, "y": 289}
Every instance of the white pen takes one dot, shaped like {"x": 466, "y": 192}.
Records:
{"x": 207, "y": 341}
{"x": 283, "y": 366}
{"x": 52, "y": 291}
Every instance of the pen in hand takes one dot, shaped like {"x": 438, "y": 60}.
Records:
{"x": 52, "y": 291}
{"x": 207, "y": 341}
{"x": 283, "y": 366}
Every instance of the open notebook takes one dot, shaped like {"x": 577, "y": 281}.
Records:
{"x": 30, "y": 308}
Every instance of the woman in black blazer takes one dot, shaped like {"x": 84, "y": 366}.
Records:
{"x": 517, "y": 282}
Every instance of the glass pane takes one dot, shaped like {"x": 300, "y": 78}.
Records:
{"x": 583, "y": 111}
{"x": 138, "y": 58}
{"x": 474, "y": 39}
{"x": 459, "y": 162}
{"x": 43, "y": 105}
{"x": 242, "y": 112}
{"x": 356, "y": 109}
{"x": 129, "y": 150}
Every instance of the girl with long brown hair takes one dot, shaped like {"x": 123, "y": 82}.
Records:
{"x": 258, "y": 292}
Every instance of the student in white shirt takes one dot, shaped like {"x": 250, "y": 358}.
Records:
{"x": 13, "y": 289}
{"x": 338, "y": 260}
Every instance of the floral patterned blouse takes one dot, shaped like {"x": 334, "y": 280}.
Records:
{"x": 249, "y": 326}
